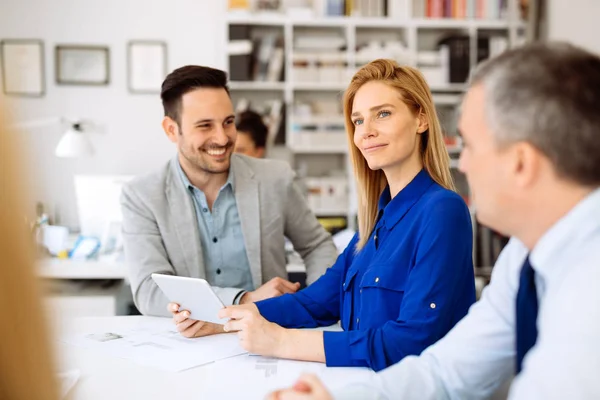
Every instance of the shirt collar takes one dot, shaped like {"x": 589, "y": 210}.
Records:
{"x": 394, "y": 209}
{"x": 188, "y": 185}
{"x": 573, "y": 227}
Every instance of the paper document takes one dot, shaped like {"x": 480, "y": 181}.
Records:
{"x": 158, "y": 344}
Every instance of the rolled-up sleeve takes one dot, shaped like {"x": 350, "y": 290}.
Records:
{"x": 317, "y": 305}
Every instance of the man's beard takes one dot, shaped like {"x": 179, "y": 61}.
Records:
{"x": 201, "y": 160}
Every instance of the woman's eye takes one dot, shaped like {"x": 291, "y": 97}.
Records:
{"x": 358, "y": 122}
{"x": 383, "y": 114}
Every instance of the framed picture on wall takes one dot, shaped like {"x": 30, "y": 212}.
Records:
{"x": 82, "y": 65}
{"x": 146, "y": 65}
{"x": 22, "y": 65}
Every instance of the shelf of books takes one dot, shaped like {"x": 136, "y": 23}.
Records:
{"x": 296, "y": 58}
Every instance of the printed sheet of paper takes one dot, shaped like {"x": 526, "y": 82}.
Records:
{"x": 158, "y": 344}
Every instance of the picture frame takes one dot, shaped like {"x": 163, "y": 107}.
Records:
{"x": 82, "y": 65}
{"x": 146, "y": 66}
{"x": 23, "y": 68}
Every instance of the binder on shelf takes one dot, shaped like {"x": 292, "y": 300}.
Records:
{"x": 397, "y": 9}
{"x": 488, "y": 47}
{"x": 240, "y": 51}
{"x": 275, "y": 122}
{"x": 489, "y": 244}
{"x": 275, "y": 67}
{"x": 483, "y": 48}
{"x": 459, "y": 54}
{"x": 263, "y": 56}
{"x": 470, "y": 12}
{"x": 335, "y": 8}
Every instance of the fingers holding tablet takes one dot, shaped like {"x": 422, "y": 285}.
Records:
{"x": 191, "y": 328}
{"x": 190, "y": 298}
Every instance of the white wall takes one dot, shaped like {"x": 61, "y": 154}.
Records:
{"x": 576, "y": 21}
{"x": 133, "y": 143}
{"x": 195, "y": 33}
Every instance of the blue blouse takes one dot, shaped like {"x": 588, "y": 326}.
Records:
{"x": 409, "y": 285}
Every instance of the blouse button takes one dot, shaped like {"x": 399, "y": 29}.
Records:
{"x": 432, "y": 305}
{"x": 376, "y": 279}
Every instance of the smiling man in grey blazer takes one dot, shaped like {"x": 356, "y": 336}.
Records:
{"x": 212, "y": 214}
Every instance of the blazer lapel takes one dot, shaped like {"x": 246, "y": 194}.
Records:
{"x": 185, "y": 222}
{"x": 246, "y": 198}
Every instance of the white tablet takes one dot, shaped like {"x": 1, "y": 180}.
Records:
{"x": 193, "y": 295}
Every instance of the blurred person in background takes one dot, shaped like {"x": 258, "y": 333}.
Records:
{"x": 251, "y": 134}
{"x": 26, "y": 359}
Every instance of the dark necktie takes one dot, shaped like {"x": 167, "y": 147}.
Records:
{"x": 527, "y": 311}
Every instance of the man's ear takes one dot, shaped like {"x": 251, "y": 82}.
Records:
{"x": 171, "y": 129}
{"x": 527, "y": 164}
{"x": 423, "y": 123}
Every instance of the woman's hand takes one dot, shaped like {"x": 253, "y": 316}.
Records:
{"x": 256, "y": 334}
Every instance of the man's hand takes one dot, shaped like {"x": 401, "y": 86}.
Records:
{"x": 191, "y": 328}
{"x": 308, "y": 387}
{"x": 256, "y": 334}
{"x": 274, "y": 288}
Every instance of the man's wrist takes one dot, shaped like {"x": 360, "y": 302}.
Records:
{"x": 238, "y": 297}
{"x": 245, "y": 297}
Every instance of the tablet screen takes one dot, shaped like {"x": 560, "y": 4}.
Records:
{"x": 192, "y": 294}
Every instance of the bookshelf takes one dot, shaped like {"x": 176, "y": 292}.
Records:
{"x": 370, "y": 22}
{"x": 256, "y": 85}
{"x": 321, "y": 52}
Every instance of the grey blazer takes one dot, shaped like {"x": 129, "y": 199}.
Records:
{"x": 161, "y": 235}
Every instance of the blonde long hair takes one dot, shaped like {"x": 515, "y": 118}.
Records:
{"x": 26, "y": 360}
{"x": 415, "y": 93}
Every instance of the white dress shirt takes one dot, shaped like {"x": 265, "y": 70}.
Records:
{"x": 478, "y": 355}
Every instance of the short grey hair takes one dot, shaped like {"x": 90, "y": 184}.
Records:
{"x": 547, "y": 94}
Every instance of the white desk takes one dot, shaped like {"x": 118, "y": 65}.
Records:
{"x": 88, "y": 296}
{"x": 242, "y": 377}
{"x": 93, "y": 269}
{"x": 87, "y": 299}
{"x": 72, "y": 269}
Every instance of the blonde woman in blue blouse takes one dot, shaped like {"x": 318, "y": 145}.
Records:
{"x": 406, "y": 278}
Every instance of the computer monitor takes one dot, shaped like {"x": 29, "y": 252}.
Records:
{"x": 99, "y": 208}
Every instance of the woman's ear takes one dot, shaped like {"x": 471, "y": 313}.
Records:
{"x": 423, "y": 123}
